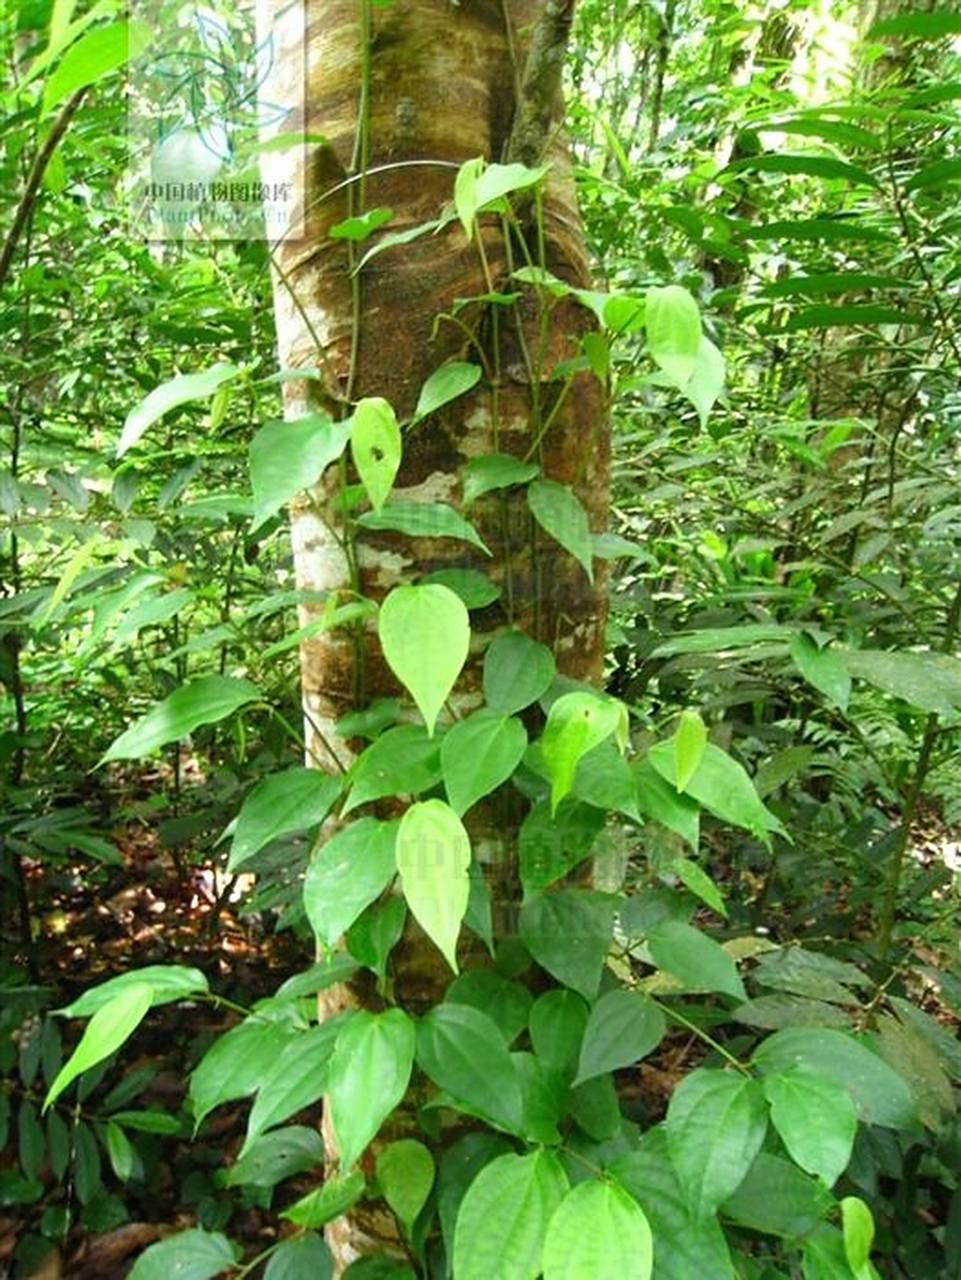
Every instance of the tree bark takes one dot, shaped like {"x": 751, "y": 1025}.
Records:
{"x": 403, "y": 95}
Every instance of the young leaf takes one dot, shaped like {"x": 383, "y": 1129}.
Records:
{"x": 425, "y": 633}
{"x": 405, "y": 1172}
{"x": 559, "y": 512}
{"x": 576, "y": 723}
{"x": 346, "y": 874}
{"x": 188, "y": 1255}
{"x": 172, "y": 394}
{"x": 375, "y": 446}
{"x": 478, "y": 754}
{"x": 699, "y": 962}
{"x": 369, "y": 1072}
{"x": 202, "y": 701}
{"x": 673, "y": 325}
{"x": 445, "y": 384}
{"x": 624, "y": 1026}
{"x": 424, "y": 520}
{"x": 295, "y": 799}
{"x": 502, "y": 1223}
{"x": 816, "y": 1120}
{"x": 495, "y": 471}
{"x": 598, "y": 1230}
{"x": 286, "y": 457}
{"x": 824, "y": 668}
{"x": 857, "y": 1225}
{"x": 465, "y": 193}
{"x": 433, "y": 854}
{"x": 689, "y": 741}
{"x": 464, "y": 1053}
{"x": 107, "y": 1030}
{"x": 517, "y": 670}
{"x": 715, "y": 1125}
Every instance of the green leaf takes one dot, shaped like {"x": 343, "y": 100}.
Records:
{"x": 465, "y": 193}
{"x": 599, "y": 1231}
{"x": 120, "y": 1152}
{"x": 304, "y": 1255}
{"x": 777, "y": 1199}
{"x": 816, "y": 1119}
{"x": 167, "y": 982}
{"x": 517, "y": 671}
{"x": 294, "y": 1080}
{"x": 423, "y": 520}
{"x": 346, "y": 874}
{"x": 189, "y": 1255}
{"x": 624, "y": 1027}
{"x": 857, "y": 1225}
{"x": 361, "y": 225}
{"x": 286, "y": 457}
{"x": 460, "y": 1164}
{"x": 172, "y": 394}
{"x": 568, "y": 932}
{"x": 880, "y": 1094}
{"x": 559, "y": 512}
{"x": 375, "y": 446}
{"x": 93, "y": 56}
{"x": 811, "y": 165}
{"x": 107, "y": 1030}
{"x": 707, "y": 379}
{"x": 237, "y": 1062}
{"x": 463, "y": 1052}
{"x": 499, "y": 180}
{"x": 690, "y": 739}
{"x": 479, "y": 754}
{"x": 404, "y": 760}
{"x": 503, "y": 1219}
{"x": 576, "y": 724}
{"x": 425, "y": 634}
{"x": 673, "y": 325}
{"x": 444, "y": 385}
{"x": 506, "y": 1003}
{"x": 722, "y": 639}
{"x": 695, "y": 878}
{"x": 557, "y": 1021}
{"x": 327, "y": 973}
{"x": 931, "y": 681}
{"x": 475, "y": 589}
{"x": 276, "y": 1156}
{"x": 376, "y": 932}
{"x": 823, "y": 1256}
{"x": 205, "y": 700}
{"x": 551, "y": 845}
{"x": 433, "y": 854}
{"x": 663, "y": 803}
{"x": 935, "y": 175}
{"x": 699, "y": 962}
{"x": 333, "y": 1198}
{"x": 716, "y": 1121}
{"x": 295, "y": 799}
{"x": 684, "y": 1246}
{"x": 405, "y": 1171}
{"x": 920, "y": 26}
{"x": 823, "y": 668}
{"x": 495, "y": 471}
{"x": 369, "y": 1072}
{"x": 721, "y": 785}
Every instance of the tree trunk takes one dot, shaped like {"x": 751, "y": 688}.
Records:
{"x": 404, "y": 94}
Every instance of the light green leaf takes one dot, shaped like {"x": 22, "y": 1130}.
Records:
{"x": 286, "y": 457}
{"x": 559, "y": 512}
{"x": 823, "y": 668}
{"x": 598, "y": 1231}
{"x": 189, "y": 1255}
{"x": 361, "y": 226}
{"x": 405, "y": 1171}
{"x": 568, "y": 932}
{"x": 517, "y": 670}
{"x": 172, "y": 394}
{"x": 624, "y": 1026}
{"x": 295, "y": 799}
{"x": 576, "y": 723}
{"x": 167, "y": 982}
{"x": 479, "y": 754}
{"x": 465, "y": 193}
{"x": 502, "y": 1223}
{"x": 499, "y": 180}
{"x": 495, "y": 471}
{"x": 423, "y": 520}
{"x": 345, "y": 875}
{"x": 369, "y": 1072}
{"x": 433, "y": 854}
{"x": 334, "y": 1197}
{"x": 202, "y": 701}
{"x": 375, "y": 445}
{"x": 425, "y": 633}
{"x": 700, "y": 962}
{"x": 857, "y": 1225}
{"x": 446, "y": 384}
{"x": 107, "y": 1030}
{"x": 94, "y": 55}
{"x": 707, "y": 380}
{"x": 465, "y": 1054}
{"x": 816, "y": 1119}
{"x": 673, "y": 325}
{"x": 716, "y": 1121}
{"x": 690, "y": 739}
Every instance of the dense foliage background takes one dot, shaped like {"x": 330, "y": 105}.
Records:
{"x": 796, "y": 567}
